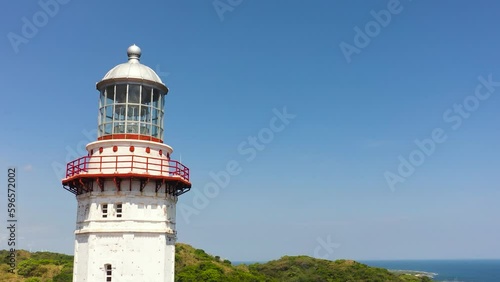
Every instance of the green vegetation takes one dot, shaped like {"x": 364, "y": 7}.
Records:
{"x": 196, "y": 265}
{"x": 37, "y": 267}
{"x": 303, "y": 268}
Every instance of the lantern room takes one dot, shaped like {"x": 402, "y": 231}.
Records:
{"x": 131, "y": 103}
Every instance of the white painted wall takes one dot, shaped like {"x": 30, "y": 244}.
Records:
{"x": 140, "y": 245}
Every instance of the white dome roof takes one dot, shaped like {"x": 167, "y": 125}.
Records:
{"x": 132, "y": 71}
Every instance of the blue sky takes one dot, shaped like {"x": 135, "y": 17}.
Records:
{"x": 320, "y": 179}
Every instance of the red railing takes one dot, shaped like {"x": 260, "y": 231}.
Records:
{"x": 126, "y": 164}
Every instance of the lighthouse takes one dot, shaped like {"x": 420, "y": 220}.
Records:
{"x": 128, "y": 185}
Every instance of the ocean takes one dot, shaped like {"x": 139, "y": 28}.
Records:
{"x": 448, "y": 270}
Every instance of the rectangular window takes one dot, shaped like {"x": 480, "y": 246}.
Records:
{"x": 104, "y": 210}
{"x": 109, "y": 272}
{"x": 119, "y": 210}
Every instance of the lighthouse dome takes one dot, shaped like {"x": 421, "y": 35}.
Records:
{"x": 132, "y": 71}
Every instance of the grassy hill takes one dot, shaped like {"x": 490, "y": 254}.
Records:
{"x": 196, "y": 265}
{"x": 37, "y": 267}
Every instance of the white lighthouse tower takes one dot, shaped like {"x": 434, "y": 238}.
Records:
{"x": 127, "y": 186}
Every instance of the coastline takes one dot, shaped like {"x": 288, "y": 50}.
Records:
{"x": 456, "y": 270}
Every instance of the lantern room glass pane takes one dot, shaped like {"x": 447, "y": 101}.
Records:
{"x": 156, "y": 98}
{"x": 156, "y": 94}
{"x": 145, "y": 128}
{"x": 154, "y": 132}
{"x": 108, "y": 128}
{"x": 100, "y": 129}
{"x": 121, "y": 93}
{"x": 131, "y": 109}
{"x": 134, "y": 93}
{"x": 101, "y": 116}
{"x": 102, "y": 99}
{"x": 161, "y": 119}
{"x": 162, "y": 102}
{"x": 108, "y": 114}
{"x": 146, "y": 95}
{"x": 110, "y": 95}
{"x": 154, "y": 116}
{"x": 132, "y": 127}
{"x": 145, "y": 114}
{"x": 119, "y": 112}
{"x": 133, "y": 112}
{"x": 119, "y": 127}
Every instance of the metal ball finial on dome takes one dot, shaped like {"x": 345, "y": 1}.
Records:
{"x": 132, "y": 71}
{"x": 134, "y": 53}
